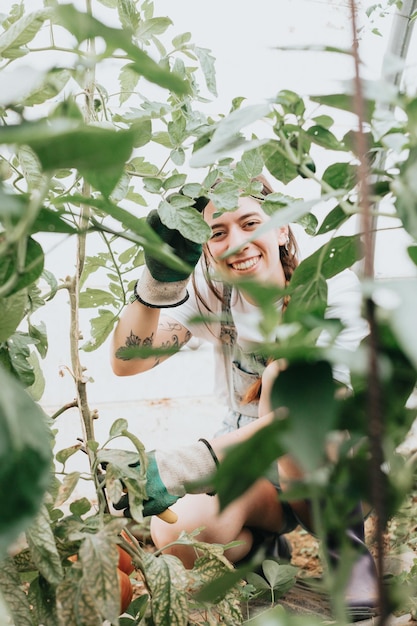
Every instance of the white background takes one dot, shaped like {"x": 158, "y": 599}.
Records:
{"x": 243, "y": 37}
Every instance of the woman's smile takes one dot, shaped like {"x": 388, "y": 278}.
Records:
{"x": 244, "y": 265}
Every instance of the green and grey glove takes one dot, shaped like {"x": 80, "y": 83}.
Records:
{"x": 171, "y": 474}
{"x": 160, "y": 286}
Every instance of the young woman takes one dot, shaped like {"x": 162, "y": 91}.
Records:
{"x": 165, "y": 301}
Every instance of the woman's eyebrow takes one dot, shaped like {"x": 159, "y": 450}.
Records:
{"x": 243, "y": 217}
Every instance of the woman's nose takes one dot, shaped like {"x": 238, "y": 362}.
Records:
{"x": 238, "y": 239}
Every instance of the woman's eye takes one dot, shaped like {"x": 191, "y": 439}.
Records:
{"x": 217, "y": 234}
{"x": 252, "y": 224}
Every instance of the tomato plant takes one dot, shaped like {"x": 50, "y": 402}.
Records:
{"x": 76, "y": 162}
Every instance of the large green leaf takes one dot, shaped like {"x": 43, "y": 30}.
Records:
{"x": 20, "y": 277}
{"x": 12, "y": 310}
{"x": 185, "y": 219}
{"x": 246, "y": 462}
{"x": 334, "y": 256}
{"x": 344, "y": 101}
{"x": 84, "y": 26}
{"x": 277, "y": 163}
{"x": 99, "y": 154}
{"x": 167, "y": 582}
{"x": 25, "y": 458}
{"x": 306, "y": 391}
{"x": 98, "y": 556}
{"x": 76, "y": 602}
{"x": 42, "y": 598}
{"x": 14, "y": 595}
{"x": 43, "y": 549}
{"x": 14, "y": 39}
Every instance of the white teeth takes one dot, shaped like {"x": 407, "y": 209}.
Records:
{"x": 245, "y": 265}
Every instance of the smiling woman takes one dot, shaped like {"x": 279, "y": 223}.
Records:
{"x": 162, "y": 315}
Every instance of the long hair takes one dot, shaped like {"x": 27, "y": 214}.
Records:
{"x": 289, "y": 261}
{"x": 288, "y": 256}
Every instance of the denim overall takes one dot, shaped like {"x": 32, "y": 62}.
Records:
{"x": 242, "y": 370}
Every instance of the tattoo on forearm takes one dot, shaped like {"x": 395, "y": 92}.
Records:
{"x": 133, "y": 341}
{"x": 172, "y": 329}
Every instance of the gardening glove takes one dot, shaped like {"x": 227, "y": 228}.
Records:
{"x": 172, "y": 474}
{"x": 160, "y": 286}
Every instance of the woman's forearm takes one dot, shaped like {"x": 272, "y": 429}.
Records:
{"x": 137, "y": 327}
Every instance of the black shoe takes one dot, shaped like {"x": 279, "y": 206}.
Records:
{"x": 361, "y": 591}
{"x": 267, "y": 545}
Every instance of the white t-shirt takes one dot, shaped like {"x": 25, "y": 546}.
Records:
{"x": 343, "y": 302}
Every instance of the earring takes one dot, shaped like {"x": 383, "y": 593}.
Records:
{"x": 286, "y": 243}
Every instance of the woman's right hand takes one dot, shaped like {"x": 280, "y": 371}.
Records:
{"x": 161, "y": 286}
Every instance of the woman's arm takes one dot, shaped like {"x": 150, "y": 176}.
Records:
{"x": 144, "y": 326}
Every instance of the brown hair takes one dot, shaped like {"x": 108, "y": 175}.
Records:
{"x": 289, "y": 261}
{"x": 288, "y": 255}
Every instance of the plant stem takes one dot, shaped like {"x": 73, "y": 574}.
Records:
{"x": 374, "y": 404}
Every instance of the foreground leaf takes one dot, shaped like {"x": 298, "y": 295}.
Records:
{"x": 25, "y": 458}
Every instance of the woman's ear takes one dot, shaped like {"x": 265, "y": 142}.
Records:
{"x": 283, "y": 235}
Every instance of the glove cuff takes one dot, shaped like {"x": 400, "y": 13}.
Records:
{"x": 158, "y": 295}
{"x": 187, "y": 470}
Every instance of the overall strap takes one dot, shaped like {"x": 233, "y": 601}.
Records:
{"x": 227, "y": 336}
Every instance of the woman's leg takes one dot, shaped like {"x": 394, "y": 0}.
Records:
{"x": 259, "y": 508}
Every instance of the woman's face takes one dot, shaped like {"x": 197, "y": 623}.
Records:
{"x": 258, "y": 259}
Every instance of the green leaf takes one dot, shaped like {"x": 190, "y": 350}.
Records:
{"x": 118, "y": 427}
{"x": 153, "y": 26}
{"x": 280, "y": 576}
{"x": 333, "y": 257}
{"x": 53, "y": 83}
{"x": 262, "y": 449}
{"x": 323, "y": 137}
{"x": 39, "y": 334}
{"x": 98, "y": 153}
{"x": 50, "y": 220}
{"x": 66, "y": 488}
{"x": 13, "y": 40}
{"x": 62, "y": 455}
{"x": 20, "y": 277}
{"x": 76, "y": 602}
{"x": 80, "y": 507}
{"x": 42, "y": 598}
{"x": 128, "y": 15}
{"x": 31, "y": 167}
{"x": 311, "y": 410}
{"x": 95, "y": 297}
{"x": 167, "y": 581}
{"x": 344, "y": 102}
{"x": 128, "y": 79}
{"x": 207, "y": 62}
{"x": 101, "y": 327}
{"x": 277, "y": 163}
{"x": 84, "y": 26}
{"x": 412, "y": 253}
{"x": 99, "y": 558}
{"x": 25, "y": 458}
{"x": 12, "y": 310}
{"x": 187, "y": 220}
{"x": 335, "y": 218}
{"x": 14, "y": 595}
{"x": 142, "y": 133}
{"x": 37, "y": 388}
{"x": 341, "y": 176}
{"x": 43, "y": 549}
